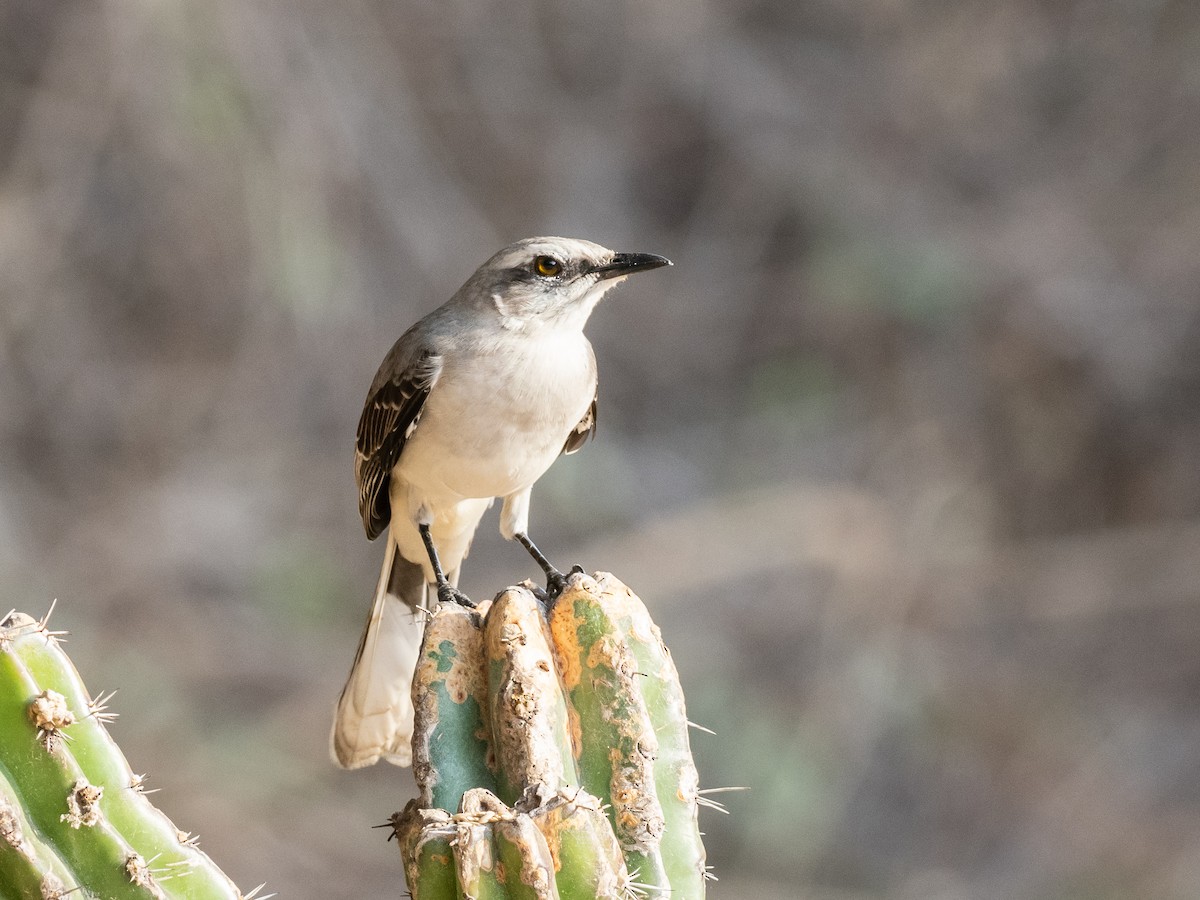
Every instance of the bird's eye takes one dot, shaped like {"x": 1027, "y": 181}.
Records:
{"x": 547, "y": 266}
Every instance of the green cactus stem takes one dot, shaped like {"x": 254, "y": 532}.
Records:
{"x": 69, "y": 804}
{"x": 656, "y": 688}
{"x": 597, "y": 791}
{"x": 564, "y": 849}
{"x": 527, "y": 864}
{"x": 426, "y": 838}
{"x": 28, "y": 868}
{"x": 616, "y": 742}
{"x": 587, "y": 858}
{"x": 452, "y": 745}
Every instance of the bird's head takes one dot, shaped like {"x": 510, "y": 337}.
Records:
{"x": 554, "y": 281}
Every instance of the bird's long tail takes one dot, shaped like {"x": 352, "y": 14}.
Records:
{"x": 374, "y": 715}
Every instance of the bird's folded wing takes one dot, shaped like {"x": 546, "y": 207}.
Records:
{"x": 584, "y": 430}
{"x": 389, "y": 417}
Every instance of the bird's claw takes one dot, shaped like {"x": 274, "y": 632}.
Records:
{"x": 447, "y": 593}
{"x": 556, "y": 581}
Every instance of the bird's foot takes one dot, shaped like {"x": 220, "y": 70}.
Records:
{"x": 556, "y": 581}
{"x": 447, "y": 593}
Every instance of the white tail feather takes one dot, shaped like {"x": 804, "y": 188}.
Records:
{"x": 374, "y": 715}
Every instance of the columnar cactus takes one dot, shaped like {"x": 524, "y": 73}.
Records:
{"x": 551, "y": 753}
{"x": 74, "y": 820}
{"x": 558, "y": 739}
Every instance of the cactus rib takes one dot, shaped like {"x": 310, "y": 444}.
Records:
{"x": 70, "y": 793}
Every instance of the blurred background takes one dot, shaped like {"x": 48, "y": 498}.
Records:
{"x": 903, "y": 453}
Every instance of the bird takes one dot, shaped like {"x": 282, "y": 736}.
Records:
{"x": 473, "y": 403}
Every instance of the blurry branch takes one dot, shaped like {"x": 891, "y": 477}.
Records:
{"x": 730, "y": 538}
{"x": 858, "y": 539}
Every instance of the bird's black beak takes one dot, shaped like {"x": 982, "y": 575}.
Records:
{"x": 628, "y": 263}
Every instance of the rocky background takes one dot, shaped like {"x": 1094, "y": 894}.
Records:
{"x": 904, "y": 453}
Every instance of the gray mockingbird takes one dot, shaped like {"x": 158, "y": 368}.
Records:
{"x": 474, "y": 402}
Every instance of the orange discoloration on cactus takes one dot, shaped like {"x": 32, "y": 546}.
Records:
{"x": 451, "y": 652}
{"x": 564, "y": 626}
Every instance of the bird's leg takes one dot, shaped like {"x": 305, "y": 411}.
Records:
{"x": 556, "y": 581}
{"x": 447, "y": 593}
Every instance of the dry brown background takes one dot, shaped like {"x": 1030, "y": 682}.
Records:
{"x": 903, "y": 453}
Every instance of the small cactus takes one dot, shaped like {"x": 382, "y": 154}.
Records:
{"x": 74, "y": 820}
{"x": 552, "y": 753}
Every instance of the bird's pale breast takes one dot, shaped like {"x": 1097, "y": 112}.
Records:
{"x": 493, "y": 442}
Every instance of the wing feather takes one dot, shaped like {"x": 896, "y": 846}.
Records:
{"x": 584, "y": 430}
{"x": 389, "y": 417}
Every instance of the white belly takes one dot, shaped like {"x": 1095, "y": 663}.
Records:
{"x": 493, "y": 426}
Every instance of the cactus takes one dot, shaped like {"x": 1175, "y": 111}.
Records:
{"x": 74, "y": 819}
{"x": 558, "y": 738}
{"x": 561, "y": 850}
{"x": 552, "y": 753}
